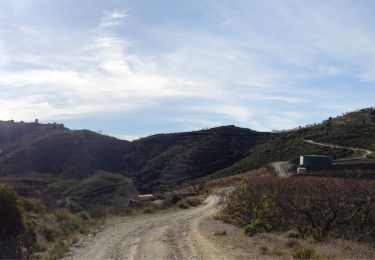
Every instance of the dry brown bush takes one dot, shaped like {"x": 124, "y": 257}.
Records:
{"x": 318, "y": 207}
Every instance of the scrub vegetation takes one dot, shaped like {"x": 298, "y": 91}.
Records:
{"x": 308, "y": 210}
{"x": 315, "y": 207}
{"x": 354, "y": 129}
{"x": 65, "y": 181}
{"x": 28, "y": 229}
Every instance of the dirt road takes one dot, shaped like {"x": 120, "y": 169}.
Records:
{"x": 364, "y": 155}
{"x": 173, "y": 235}
{"x": 282, "y": 168}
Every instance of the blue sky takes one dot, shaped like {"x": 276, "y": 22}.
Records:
{"x": 134, "y": 68}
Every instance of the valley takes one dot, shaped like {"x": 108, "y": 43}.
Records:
{"x": 73, "y": 178}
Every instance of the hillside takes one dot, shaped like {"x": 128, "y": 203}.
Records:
{"x": 42, "y": 159}
{"x": 62, "y": 166}
{"x": 59, "y": 151}
{"x": 163, "y": 161}
{"x": 354, "y": 129}
{"x": 53, "y": 162}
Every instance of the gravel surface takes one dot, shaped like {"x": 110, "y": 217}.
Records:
{"x": 173, "y": 235}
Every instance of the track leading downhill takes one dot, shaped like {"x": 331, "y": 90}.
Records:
{"x": 166, "y": 236}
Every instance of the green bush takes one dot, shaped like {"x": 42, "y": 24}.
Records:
{"x": 149, "y": 209}
{"x": 303, "y": 252}
{"x": 58, "y": 250}
{"x": 13, "y": 229}
{"x": 253, "y": 228}
{"x": 84, "y": 215}
{"x": 292, "y": 234}
{"x": 172, "y": 200}
{"x": 70, "y": 226}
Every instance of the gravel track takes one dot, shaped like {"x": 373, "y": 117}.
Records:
{"x": 174, "y": 235}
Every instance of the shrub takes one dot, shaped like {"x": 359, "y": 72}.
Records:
{"x": 63, "y": 214}
{"x": 263, "y": 250}
{"x": 292, "y": 234}
{"x": 149, "y": 209}
{"x": 292, "y": 243}
{"x": 253, "y": 228}
{"x": 317, "y": 207}
{"x": 58, "y": 250}
{"x": 175, "y": 198}
{"x": 70, "y": 226}
{"x": 182, "y": 204}
{"x": 84, "y": 215}
{"x": 33, "y": 205}
{"x": 75, "y": 238}
{"x": 303, "y": 252}
{"x": 172, "y": 200}
{"x": 193, "y": 202}
{"x": 12, "y": 225}
{"x": 49, "y": 232}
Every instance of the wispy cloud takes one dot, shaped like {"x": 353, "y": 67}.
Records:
{"x": 241, "y": 114}
{"x": 112, "y": 19}
{"x": 102, "y": 70}
{"x": 245, "y": 63}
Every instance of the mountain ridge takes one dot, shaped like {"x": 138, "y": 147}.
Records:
{"x": 160, "y": 162}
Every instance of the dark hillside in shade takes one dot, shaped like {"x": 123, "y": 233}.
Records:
{"x": 154, "y": 163}
{"x": 165, "y": 160}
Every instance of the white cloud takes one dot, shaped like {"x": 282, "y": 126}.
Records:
{"x": 112, "y": 19}
{"x": 368, "y": 75}
{"x": 241, "y": 114}
{"x": 126, "y": 137}
{"x": 3, "y": 54}
{"x": 330, "y": 70}
{"x": 251, "y": 61}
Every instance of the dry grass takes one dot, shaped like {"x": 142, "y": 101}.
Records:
{"x": 57, "y": 230}
{"x": 278, "y": 245}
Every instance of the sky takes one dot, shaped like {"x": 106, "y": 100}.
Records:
{"x": 134, "y": 68}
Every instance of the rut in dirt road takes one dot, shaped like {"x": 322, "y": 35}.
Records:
{"x": 169, "y": 236}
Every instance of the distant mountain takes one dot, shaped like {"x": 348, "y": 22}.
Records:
{"x": 49, "y": 160}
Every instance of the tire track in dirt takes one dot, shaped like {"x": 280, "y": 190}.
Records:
{"x": 172, "y": 235}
